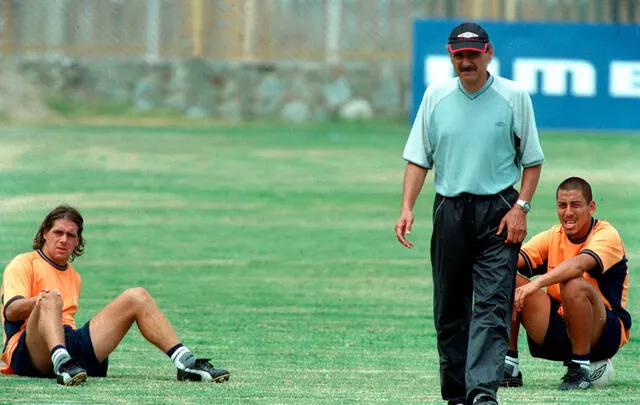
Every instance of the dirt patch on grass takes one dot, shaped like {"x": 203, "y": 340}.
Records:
{"x": 20, "y": 100}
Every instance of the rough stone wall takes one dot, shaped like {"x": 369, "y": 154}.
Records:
{"x": 291, "y": 91}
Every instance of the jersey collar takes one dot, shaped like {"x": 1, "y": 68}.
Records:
{"x": 583, "y": 239}
{"x": 482, "y": 89}
{"x": 56, "y": 266}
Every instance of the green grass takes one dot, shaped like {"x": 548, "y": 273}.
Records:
{"x": 271, "y": 249}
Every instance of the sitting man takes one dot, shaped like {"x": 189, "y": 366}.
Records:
{"x": 39, "y": 298}
{"x": 581, "y": 317}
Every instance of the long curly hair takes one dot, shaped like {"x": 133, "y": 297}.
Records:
{"x": 61, "y": 212}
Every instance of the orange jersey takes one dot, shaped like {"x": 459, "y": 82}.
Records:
{"x": 610, "y": 276}
{"x": 25, "y": 276}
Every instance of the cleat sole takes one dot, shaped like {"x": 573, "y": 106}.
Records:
{"x": 76, "y": 380}
{"x": 221, "y": 379}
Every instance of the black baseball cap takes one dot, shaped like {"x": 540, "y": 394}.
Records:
{"x": 468, "y": 37}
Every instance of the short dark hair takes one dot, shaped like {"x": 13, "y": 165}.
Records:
{"x": 576, "y": 183}
{"x": 61, "y": 212}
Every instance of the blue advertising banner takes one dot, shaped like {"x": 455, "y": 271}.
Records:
{"x": 580, "y": 76}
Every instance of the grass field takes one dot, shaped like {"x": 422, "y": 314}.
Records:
{"x": 271, "y": 249}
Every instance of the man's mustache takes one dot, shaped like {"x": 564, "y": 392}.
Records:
{"x": 468, "y": 69}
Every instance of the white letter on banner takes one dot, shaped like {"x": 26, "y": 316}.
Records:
{"x": 624, "y": 79}
{"x": 494, "y": 67}
{"x": 438, "y": 68}
{"x": 554, "y": 76}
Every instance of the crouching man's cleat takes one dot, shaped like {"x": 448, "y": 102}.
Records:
{"x": 511, "y": 380}
{"x": 577, "y": 378}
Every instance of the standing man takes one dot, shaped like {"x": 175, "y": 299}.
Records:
{"x": 477, "y": 131}
{"x": 39, "y": 299}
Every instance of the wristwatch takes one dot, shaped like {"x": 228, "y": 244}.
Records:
{"x": 526, "y": 207}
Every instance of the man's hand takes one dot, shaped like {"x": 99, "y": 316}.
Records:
{"x": 403, "y": 228}
{"x": 42, "y": 294}
{"x": 522, "y": 293}
{"x": 45, "y": 293}
{"x": 516, "y": 223}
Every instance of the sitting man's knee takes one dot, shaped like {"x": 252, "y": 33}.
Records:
{"x": 138, "y": 295}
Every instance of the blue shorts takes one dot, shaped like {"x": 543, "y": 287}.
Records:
{"x": 557, "y": 346}
{"x": 79, "y": 346}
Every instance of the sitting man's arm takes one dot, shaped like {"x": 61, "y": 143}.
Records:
{"x": 19, "y": 309}
{"x": 17, "y": 283}
{"x": 570, "y": 268}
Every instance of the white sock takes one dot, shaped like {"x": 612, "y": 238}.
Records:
{"x": 59, "y": 356}
{"x": 515, "y": 363}
{"x": 183, "y": 358}
{"x": 584, "y": 364}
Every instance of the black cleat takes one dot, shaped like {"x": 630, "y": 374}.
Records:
{"x": 70, "y": 373}
{"x": 202, "y": 370}
{"x": 509, "y": 379}
{"x": 576, "y": 378}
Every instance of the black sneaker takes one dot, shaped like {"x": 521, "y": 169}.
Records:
{"x": 509, "y": 380}
{"x": 202, "y": 370}
{"x": 576, "y": 378}
{"x": 70, "y": 373}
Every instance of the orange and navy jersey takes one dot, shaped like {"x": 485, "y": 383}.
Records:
{"x": 610, "y": 276}
{"x": 24, "y": 277}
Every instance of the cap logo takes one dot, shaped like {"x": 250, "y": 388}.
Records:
{"x": 468, "y": 35}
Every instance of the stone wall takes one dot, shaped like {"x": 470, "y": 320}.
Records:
{"x": 291, "y": 91}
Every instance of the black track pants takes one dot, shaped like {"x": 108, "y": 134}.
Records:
{"x": 474, "y": 274}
